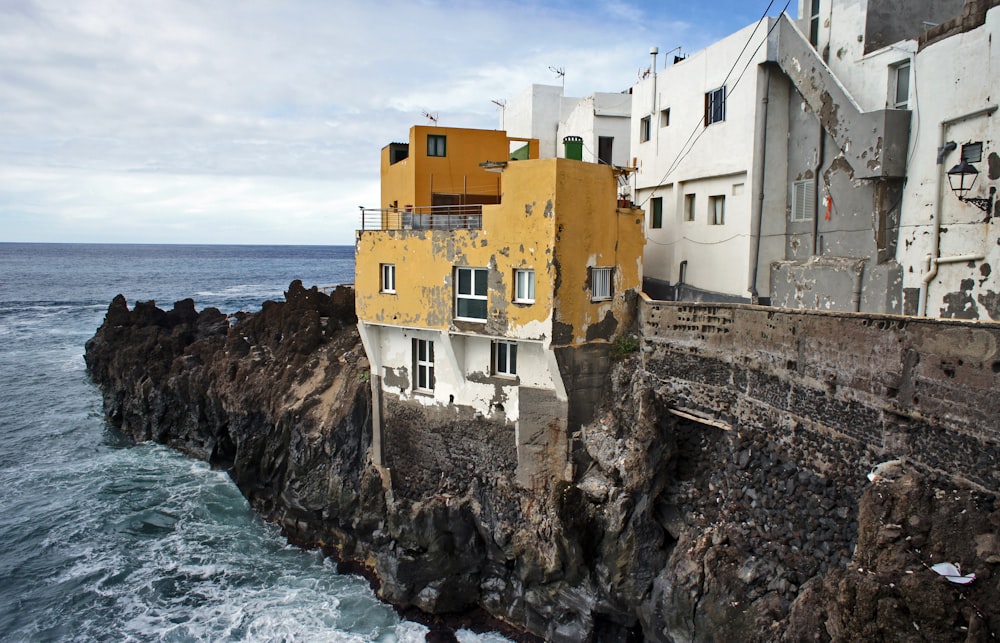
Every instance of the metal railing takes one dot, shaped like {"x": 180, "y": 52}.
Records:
{"x": 437, "y": 217}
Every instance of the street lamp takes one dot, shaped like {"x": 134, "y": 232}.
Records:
{"x": 961, "y": 178}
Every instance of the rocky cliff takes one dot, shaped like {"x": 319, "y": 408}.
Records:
{"x": 670, "y": 530}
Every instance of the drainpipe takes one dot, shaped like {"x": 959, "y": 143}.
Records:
{"x": 856, "y": 296}
{"x": 759, "y": 162}
{"x": 820, "y": 153}
{"x": 933, "y": 257}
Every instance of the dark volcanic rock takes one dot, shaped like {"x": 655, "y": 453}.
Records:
{"x": 670, "y": 530}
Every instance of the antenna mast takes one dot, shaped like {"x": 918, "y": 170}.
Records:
{"x": 560, "y": 72}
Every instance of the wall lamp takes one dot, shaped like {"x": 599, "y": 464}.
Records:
{"x": 961, "y": 178}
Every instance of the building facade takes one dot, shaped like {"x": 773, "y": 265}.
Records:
{"x": 502, "y": 311}
{"x": 796, "y": 162}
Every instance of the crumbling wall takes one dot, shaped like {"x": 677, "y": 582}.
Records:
{"x": 922, "y": 389}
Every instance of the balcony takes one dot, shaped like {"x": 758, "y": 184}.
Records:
{"x": 438, "y": 217}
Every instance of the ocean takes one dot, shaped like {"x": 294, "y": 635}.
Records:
{"x": 102, "y": 539}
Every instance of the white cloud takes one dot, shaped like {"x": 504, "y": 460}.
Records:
{"x": 261, "y": 121}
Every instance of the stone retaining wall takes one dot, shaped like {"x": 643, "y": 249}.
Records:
{"x": 924, "y": 389}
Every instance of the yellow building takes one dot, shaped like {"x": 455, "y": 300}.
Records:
{"x": 506, "y": 309}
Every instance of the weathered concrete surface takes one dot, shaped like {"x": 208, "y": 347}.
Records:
{"x": 669, "y": 530}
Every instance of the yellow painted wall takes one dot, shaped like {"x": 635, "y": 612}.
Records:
{"x": 557, "y": 217}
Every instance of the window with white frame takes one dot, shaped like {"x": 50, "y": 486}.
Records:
{"x": 437, "y": 145}
{"x": 423, "y": 365}
{"x": 656, "y": 216}
{"x": 644, "y": 129}
{"x": 803, "y": 200}
{"x": 600, "y": 283}
{"x": 505, "y": 358}
{"x": 717, "y": 210}
{"x": 524, "y": 286}
{"x": 388, "y": 277}
{"x": 715, "y": 106}
{"x": 899, "y": 85}
{"x": 814, "y": 23}
{"x": 471, "y": 293}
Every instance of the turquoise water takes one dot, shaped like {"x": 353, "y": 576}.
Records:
{"x": 101, "y": 539}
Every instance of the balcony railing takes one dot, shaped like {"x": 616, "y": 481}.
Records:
{"x": 437, "y": 217}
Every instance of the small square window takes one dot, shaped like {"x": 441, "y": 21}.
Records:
{"x": 972, "y": 152}
{"x": 524, "y": 286}
{"x": 600, "y": 283}
{"x": 689, "y": 207}
{"x": 717, "y": 210}
{"x": 437, "y": 145}
{"x": 715, "y": 106}
{"x": 656, "y": 205}
{"x": 665, "y": 117}
{"x": 388, "y": 277}
{"x": 423, "y": 365}
{"x": 505, "y": 358}
{"x": 644, "y": 129}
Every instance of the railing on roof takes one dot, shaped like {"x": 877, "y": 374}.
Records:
{"x": 437, "y": 217}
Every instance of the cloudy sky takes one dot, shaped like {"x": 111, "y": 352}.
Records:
{"x": 261, "y": 121}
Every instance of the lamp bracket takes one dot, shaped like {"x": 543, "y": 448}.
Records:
{"x": 986, "y": 205}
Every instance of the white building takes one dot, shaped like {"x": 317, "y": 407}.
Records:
{"x": 797, "y": 161}
{"x": 602, "y": 120}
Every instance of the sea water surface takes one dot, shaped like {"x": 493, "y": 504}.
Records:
{"x": 101, "y": 539}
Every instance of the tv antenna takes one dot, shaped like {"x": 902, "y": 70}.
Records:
{"x": 431, "y": 117}
{"x": 502, "y": 106}
{"x": 560, "y": 72}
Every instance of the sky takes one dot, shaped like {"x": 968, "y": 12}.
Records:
{"x": 262, "y": 121}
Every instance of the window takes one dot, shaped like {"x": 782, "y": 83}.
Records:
{"x": 644, "y": 128}
{"x": 665, "y": 117}
{"x": 505, "y": 358}
{"x": 605, "y": 147}
{"x": 715, "y": 106}
{"x": 899, "y": 86}
{"x": 437, "y": 145}
{"x": 972, "y": 152}
{"x": 388, "y": 277}
{"x": 524, "y": 286}
{"x": 803, "y": 200}
{"x": 717, "y": 210}
{"x": 689, "y": 207}
{"x": 471, "y": 293}
{"x": 423, "y": 365}
{"x": 656, "y": 204}
{"x": 814, "y": 23}
{"x": 600, "y": 284}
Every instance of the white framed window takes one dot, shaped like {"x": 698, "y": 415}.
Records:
{"x": 437, "y": 145}
{"x": 471, "y": 293}
{"x": 803, "y": 200}
{"x": 689, "y": 211}
{"x": 814, "y": 23}
{"x": 524, "y": 286}
{"x": 644, "y": 129}
{"x": 505, "y": 358}
{"x": 600, "y": 283}
{"x": 899, "y": 85}
{"x": 388, "y": 278}
{"x": 423, "y": 365}
{"x": 656, "y": 215}
{"x": 715, "y": 106}
{"x": 717, "y": 210}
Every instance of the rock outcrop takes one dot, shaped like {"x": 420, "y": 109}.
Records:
{"x": 670, "y": 530}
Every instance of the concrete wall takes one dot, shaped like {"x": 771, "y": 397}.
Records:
{"x": 534, "y": 113}
{"x": 934, "y": 223}
{"x": 597, "y": 115}
{"x": 896, "y": 387}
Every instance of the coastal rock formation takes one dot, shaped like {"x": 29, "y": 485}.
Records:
{"x": 669, "y": 531}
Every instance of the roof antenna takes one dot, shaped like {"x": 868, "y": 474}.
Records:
{"x": 431, "y": 117}
{"x": 501, "y": 105}
{"x": 560, "y": 72}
